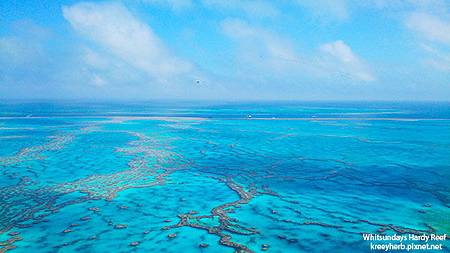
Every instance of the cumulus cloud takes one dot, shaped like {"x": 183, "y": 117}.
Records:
{"x": 346, "y": 61}
{"x": 113, "y": 28}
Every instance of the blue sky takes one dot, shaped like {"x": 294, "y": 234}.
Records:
{"x": 225, "y": 49}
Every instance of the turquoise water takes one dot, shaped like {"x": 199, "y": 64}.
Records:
{"x": 198, "y": 177}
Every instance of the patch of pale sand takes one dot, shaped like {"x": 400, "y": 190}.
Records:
{"x": 13, "y": 137}
{"x": 120, "y": 119}
{"x": 16, "y": 128}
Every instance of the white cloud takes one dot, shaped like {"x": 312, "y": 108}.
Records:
{"x": 437, "y": 58}
{"x": 24, "y": 45}
{"x": 100, "y": 69}
{"x": 440, "y": 62}
{"x": 342, "y": 10}
{"x": 253, "y": 8}
{"x": 339, "y": 54}
{"x": 113, "y": 28}
{"x": 98, "y": 81}
{"x": 15, "y": 51}
{"x": 24, "y": 55}
{"x": 95, "y": 60}
{"x": 261, "y": 47}
{"x": 269, "y": 54}
{"x": 429, "y": 27}
{"x": 327, "y": 9}
{"x": 433, "y": 32}
{"x": 436, "y": 6}
{"x": 340, "y": 51}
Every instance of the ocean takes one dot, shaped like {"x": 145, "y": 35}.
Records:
{"x": 222, "y": 177}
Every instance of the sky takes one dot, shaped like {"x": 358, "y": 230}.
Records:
{"x": 225, "y": 50}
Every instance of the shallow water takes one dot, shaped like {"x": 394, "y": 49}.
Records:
{"x": 188, "y": 177}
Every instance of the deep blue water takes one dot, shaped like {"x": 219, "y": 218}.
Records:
{"x": 205, "y": 177}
